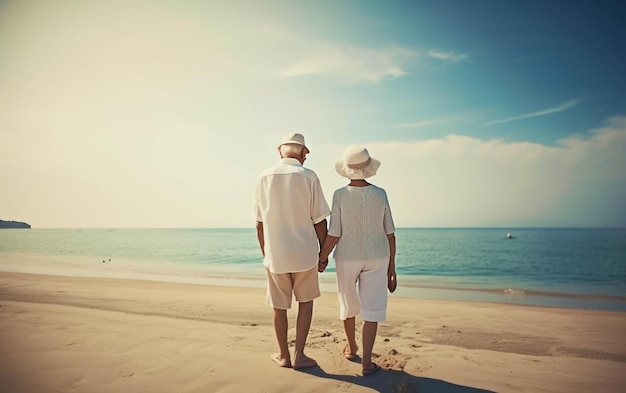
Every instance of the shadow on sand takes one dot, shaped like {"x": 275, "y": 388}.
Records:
{"x": 392, "y": 381}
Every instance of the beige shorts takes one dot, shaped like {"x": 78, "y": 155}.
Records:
{"x": 280, "y": 287}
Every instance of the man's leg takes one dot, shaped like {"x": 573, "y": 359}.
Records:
{"x": 305, "y": 315}
{"x": 281, "y": 326}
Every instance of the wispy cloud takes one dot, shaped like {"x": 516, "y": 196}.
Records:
{"x": 352, "y": 64}
{"x": 424, "y": 123}
{"x": 560, "y": 108}
{"x": 447, "y": 56}
{"x": 506, "y": 183}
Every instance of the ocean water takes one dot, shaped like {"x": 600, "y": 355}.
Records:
{"x": 577, "y": 268}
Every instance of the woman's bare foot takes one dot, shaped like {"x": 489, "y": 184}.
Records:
{"x": 282, "y": 362}
{"x": 371, "y": 369}
{"x": 348, "y": 354}
{"x": 303, "y": 361}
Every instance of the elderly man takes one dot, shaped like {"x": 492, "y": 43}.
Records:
{"x": 291, "y": 227}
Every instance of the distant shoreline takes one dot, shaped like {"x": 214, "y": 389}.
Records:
{"x": 13, "y": 225}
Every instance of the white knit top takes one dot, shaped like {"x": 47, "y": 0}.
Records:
{"x": 361, "y": 218}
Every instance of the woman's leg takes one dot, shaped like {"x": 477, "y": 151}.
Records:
{"x": 369, "y": 336}
{"x": 373, "y": 294}
{"x": 349, "y": 326}
{"x": 349, "y": 303}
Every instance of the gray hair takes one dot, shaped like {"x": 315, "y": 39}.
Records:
{"x": 291, "y": 150}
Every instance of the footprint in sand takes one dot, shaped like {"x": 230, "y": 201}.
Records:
{"x": 393, "y": 359}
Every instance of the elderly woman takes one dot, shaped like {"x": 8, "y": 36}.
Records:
{"x": 362, "y": 228}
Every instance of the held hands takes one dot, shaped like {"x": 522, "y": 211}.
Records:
{"x": 321, "y": 266}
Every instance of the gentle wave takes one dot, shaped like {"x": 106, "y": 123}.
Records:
{"x": 584, "y": 265}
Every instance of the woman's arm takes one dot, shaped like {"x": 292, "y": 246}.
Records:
{"x": 392, "y": 282}
{"x": 329, "y": 244}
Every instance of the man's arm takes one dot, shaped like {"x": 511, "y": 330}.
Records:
{"x": 259, "y": 235}
{"x": 321, "y": 230}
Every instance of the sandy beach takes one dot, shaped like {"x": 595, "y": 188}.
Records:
{"x": 73, "y": 334}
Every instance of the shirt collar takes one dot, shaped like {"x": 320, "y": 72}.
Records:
{"x": 290, "y": 161}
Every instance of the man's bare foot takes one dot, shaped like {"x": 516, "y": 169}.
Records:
{"x": 282, "y": 362}
{"x": 304, "y": 361}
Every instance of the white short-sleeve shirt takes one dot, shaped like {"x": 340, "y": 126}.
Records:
{"x": 289, "y": 201}
{"x": 361, "y": 218}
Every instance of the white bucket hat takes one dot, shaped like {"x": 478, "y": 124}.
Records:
{"x": 295, "y": 139}
{"x": 357, "y": 163}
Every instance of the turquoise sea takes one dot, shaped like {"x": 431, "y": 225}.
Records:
{"x": 577, "y": 268}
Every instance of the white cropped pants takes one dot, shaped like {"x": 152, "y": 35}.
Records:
{"x": 362, "y": 289}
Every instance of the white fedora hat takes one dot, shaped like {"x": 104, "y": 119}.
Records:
{"x": 295, "y": 139}
{"x": 357, "y": 163}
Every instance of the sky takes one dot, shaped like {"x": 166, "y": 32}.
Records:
{"x": 161, "y": 114}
